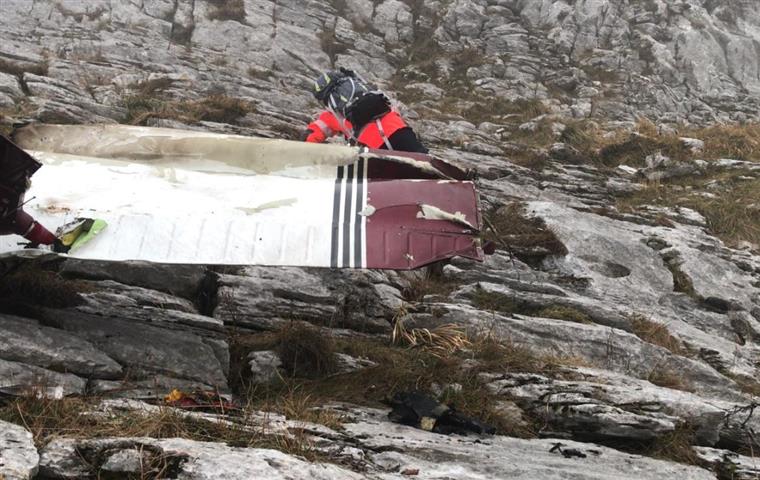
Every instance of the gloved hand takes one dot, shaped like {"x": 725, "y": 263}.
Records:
{"x": 314, "y": 137}
{"x": 40, "y": 235}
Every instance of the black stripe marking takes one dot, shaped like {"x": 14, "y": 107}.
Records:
{"x": 335, "y": 219}
{"x": 358, "y": 241}
{"x": 347, "y": 216}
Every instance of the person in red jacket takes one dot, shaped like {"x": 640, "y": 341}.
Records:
{"x": 362, "y": 115}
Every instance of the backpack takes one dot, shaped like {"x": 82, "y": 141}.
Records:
{"x": 351, "y": 98}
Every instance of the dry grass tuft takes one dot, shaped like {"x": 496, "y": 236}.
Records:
{"x": 726, "y": 198}
{"x": 40, "y": 288}
{"x": 305, "y": 351}
{"x": 227, "y": 10}
{"x": 428, "y": 283}
{"x": 527, "y": 237}
{"x": 741, "y": 142}
{"x": 495, "y": 302}
{"x": 498, "y": 109}
{"x": 563, "y": 312}
{"x": 300, "y": 405}
{"x": 440, "y": 342}
{"x": 18, "y": 69}
{"x": 496, "y": 355}
{"x": 404, "y": 369}
{"x": 48, "y": 419}
{"x": 148, "y": 88}
{"x": 676, "y": 446}
{"x": 260, "y": 74}
{"x": 668, "y": 378}
{"x": 681, "y": 282}
{"x": 655, "y": 333}
{"x": 216, "y": 108}
{"x": 747, "y": 385}
{"x": 734, "y": 215}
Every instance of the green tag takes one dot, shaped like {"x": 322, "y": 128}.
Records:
{"x": 97, "y": 227}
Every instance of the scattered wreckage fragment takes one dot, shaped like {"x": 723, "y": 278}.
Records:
{"x": 417, "y": 409}
{"x": 174, "y": 196}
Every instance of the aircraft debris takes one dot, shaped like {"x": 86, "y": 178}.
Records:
{"x": 234, "y": 200}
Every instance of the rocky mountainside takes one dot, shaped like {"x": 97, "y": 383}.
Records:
{"x": 619, "y": 316}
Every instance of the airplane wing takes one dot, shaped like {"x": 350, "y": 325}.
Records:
{"x": 173, "y": 196}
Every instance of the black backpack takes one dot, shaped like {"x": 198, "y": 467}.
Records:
{"x": 354, "y": 100}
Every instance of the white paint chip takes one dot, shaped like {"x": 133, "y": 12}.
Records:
{"x": 368, "y": 211}
{"x": 430, "y": 212}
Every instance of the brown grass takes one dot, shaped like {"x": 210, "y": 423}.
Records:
{"x": 741, "y": 142}
{"x": 676, "y": 446}
{"x": 497, "y": 302}
{"x": 48, "y": 419}
{"x": 419, "y": 285}
{"x": 440, "y": 341}
{"x": 731, "y": 208}
{"x": 747, "y": 385}
{"x": 528, "y": 238}
{"x": 681, "y": 282}
{"x": 403, "y": 369}
{"x": 330, "y": 43}
{"x": 216, "y": 108}
{"x": 655, "y": 333}
{"x": 732, "y": 212}
{"x": 18, "y": 69}
{"x": 227, "y": 10}
{"x": 562, "y": 312}
{"x": 29, "y": 285}
{"x": 260, "y": 74}
{"x": 149, "y": 88}
{"x": 612, "y": 148}
{"x": 733, "y": 215}
{"x": 668, "y": 378}
{"x": 305, "y": 351}
{"x": 299, "y": 405}
{"x": 497, "y": 109}
{"x": 497, "y": 355}
{"x": 8, "y": 116}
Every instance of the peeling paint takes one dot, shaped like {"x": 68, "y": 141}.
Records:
{"x": 430, "y": 212}
{"x": 151, "y": 145}
{"x": 285, "y": 202}
{"x": 419, "y": 164}
{"x": 368, "y": 211}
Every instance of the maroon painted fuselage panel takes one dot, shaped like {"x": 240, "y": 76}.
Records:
{"x": 382, "y": 167}
{"x": 398, "y": 235}
{"x": 402, "y": 224}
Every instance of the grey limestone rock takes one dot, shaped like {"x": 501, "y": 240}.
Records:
{"x": 190, "y": 459}
{"x": 266, "y": 298}
{"x": 20, "y": 378}
{"x": 18, "y": 455}
{"x": 264, "y": 366}
{"x": 24, "y": 340}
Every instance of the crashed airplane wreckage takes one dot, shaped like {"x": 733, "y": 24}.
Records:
{"x": 174, "y": 196}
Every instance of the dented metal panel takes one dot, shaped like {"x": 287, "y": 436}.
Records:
{"x": 187, "y": 197}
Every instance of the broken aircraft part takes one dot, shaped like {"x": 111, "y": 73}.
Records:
{"x": 235, "y": 200}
